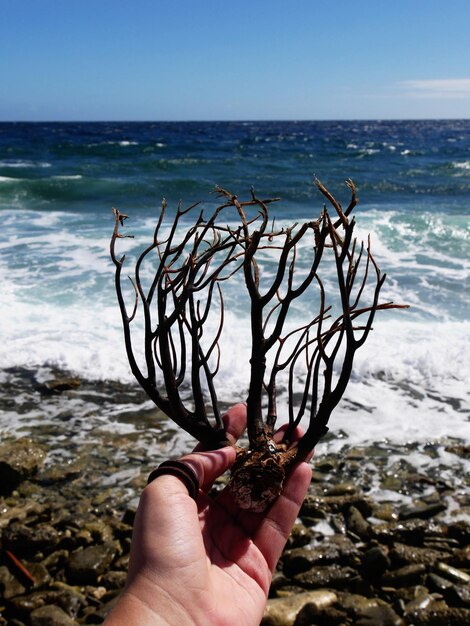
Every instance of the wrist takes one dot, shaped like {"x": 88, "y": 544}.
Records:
{"x": 140, "y": 609}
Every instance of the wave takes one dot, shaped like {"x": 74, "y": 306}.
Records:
{"x": 24, "y": 164}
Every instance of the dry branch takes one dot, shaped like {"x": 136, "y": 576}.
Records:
{"x": 188, "y": 274}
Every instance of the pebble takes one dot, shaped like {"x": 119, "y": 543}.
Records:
{"x": 351, "y": 558}
{"x": 50, "y": 615}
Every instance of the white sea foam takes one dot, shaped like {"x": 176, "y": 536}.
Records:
{"x": 410, "y": 380}
{"x": 462, "y": 165}
{"x": 68, "y": 177}
{"x": 24, "y": 164}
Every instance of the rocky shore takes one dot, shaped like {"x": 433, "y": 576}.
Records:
{"x": 383, "y": 538}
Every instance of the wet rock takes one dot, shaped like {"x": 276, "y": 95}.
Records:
{"x": 375, "y": 562}
{"x": 411, "y": 531}
{"x": 310, "y": 614}
{"x": 442, "y": 616}
{"x": 422, "y": 510}
{"x": 437, "y": 583}
{"x": 341, "y": 489}
{"x": 85, "y": 566}
{"x": 283, "y": 611}
{"x": 68, "y": 600}
{"x": 452, "y": 573}
{"x": 368, "y": 611}
{"x": 10, "y": 586}
{"x": 326, "y": 576}
{"x": 24, "y": 539}
{"x": 300, "y": 536}
{"x": 386, "y": 512}
{"x": 50, "y": 615}
{"x": 461, "y": 531}
{"x": 19, "y": 460}
{"x": 420, "y": 603}
{"x": 334, "y": 504}
{"x": 405, "y": 554}
{"x": 19, "y": 512}
{"x": 301, "y": 559}
{"x": 357, "y": 524}
{"x": 459, "y": 595}
{"x": 405, "y": 576}
{"x": 113, "y": 580}
{"x": 380, "y": 615}
{"x": 58, "y": 385}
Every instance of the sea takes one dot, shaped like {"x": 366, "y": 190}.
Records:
{"x": 58, "y": 308}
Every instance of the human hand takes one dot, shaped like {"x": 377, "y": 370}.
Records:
{"x": 205, "y": 561}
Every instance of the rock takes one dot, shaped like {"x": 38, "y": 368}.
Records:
{"x": 368, "y": 611}
{"x": 386, "y": 512}
{"x": 113, "y": 580}
{"x": 283, "y": 611}
{"x": 357, "y": 524}
{"x": 67, "y": 599}
{"x": 408, "y": 575}
{"x": 452, "y": 573}
{"x": 333, "y": 504}
{"x": 299, "y": 536}
{"x": 437, "y": 583}
{"x": 24, "y": 539}
{"x": 375, "y": 562}
{"x": 85, "y": 566}
{"x": 341, "y": 489}
{"x": 19, "y": 512}
{"x": 19, "y": 460}
{"x": 422, "y": 510}
{"x": 301, "y": 559}
{"x": 404, "y": 554}
{"x": 441, "y": 616}
{"x": 9, "y": 585}
{"x": 310, "y": 614}
{"x": 461, "y": 531}
{"x": 326, "y": 576}
{"x": 51, "y": 615}
{"x": 420, "y": 603}
{"x": 58, "y": 385}
{"x": 461, "y": 558}
{"x": 380, "y": 615}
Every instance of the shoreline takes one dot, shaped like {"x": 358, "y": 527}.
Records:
{"x": 382, "y": 535}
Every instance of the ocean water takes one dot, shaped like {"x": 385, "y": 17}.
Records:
{"x": 58, "y": 183}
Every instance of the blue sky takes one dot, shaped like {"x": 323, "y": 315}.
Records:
{"x": 220, "y": 60}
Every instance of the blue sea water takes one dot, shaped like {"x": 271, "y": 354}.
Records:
{"x": 58, "y": 183}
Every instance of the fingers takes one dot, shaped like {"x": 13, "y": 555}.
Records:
{"x": 273, "y": 531}
{"x": 208, "y": 466}
{"x": 235, "y": 422}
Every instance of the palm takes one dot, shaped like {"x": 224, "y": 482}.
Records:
{"x": 207, "y": 562}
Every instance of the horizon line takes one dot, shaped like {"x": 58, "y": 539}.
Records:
{"x": 231, "y": 121}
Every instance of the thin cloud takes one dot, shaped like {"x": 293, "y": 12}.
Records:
{"x": 438, "y": 88}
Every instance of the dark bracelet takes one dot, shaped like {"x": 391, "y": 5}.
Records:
{"x": 180, "y": 470}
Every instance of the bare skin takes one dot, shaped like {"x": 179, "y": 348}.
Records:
{"x": 205, "y": 562}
